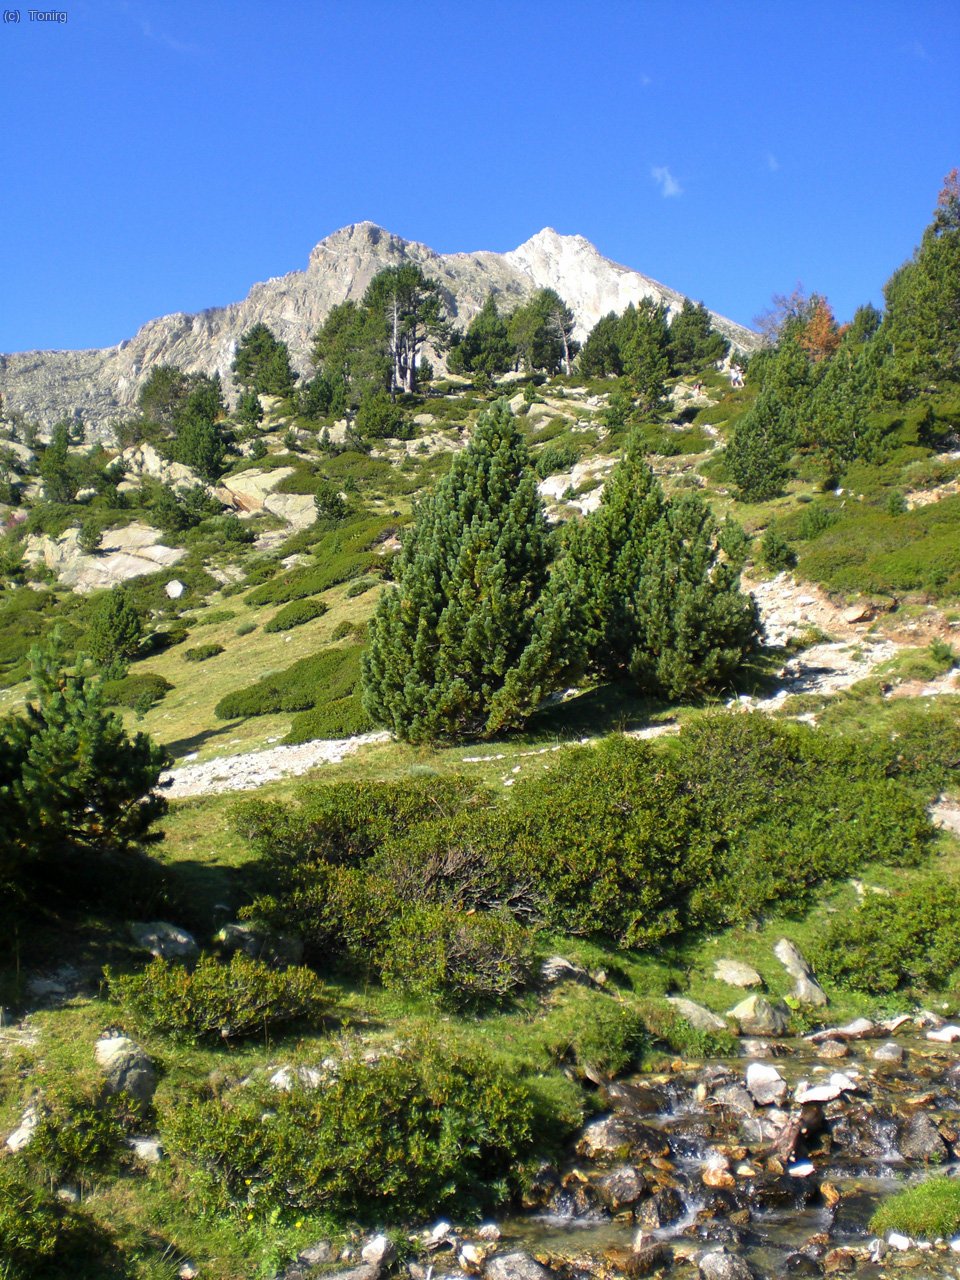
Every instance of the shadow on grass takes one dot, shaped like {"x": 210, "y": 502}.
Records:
{"x": 185, "y": 746}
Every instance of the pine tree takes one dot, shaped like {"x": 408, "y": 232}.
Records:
{"x": 644, "y": 339}
{"x": 664, "y": 609}
{"x": 693, "y": 341}
{"x": 262, "y": 363}
{"x": 72, "y": 779}
{"x": 600, "y": 354}
{"x": 115, "y": 631}
{"x": 486, "y": 346}
{"x": 477, "y": 632}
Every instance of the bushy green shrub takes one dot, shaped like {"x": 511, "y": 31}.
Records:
{"x": 341, "y": 630}
{"x": 295, "y": 614}
{"x": 460, "y": 959}
{"x": 556, "y": 458}
{"x": 202, "y": 652}
{"x": 246, "y": 628}
{"x": 216, "y": 616}
{"x": 667, "y": 1028}
{"x": 594, "y": 1031}
{"x": 907, "y": 939}
{"x": 427, "y": 1128}
{"x": 339, "y": 718}
{"x": 80, "y": 1137}
{"x": 216, "y": 1001}
{"x": 928, "y": 1211}
{"x": 139, "y": 690}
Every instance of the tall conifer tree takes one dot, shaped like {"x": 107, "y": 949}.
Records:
{"x": 477, "y": 632}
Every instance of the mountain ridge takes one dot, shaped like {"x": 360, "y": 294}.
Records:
{"x": 101, "y": 384}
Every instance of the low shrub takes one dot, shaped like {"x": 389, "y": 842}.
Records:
{"x": 907, "y": 939}
{"x": 555, "y": 458}
{"x": 216, "y": 616}
{"x": 216, "y": 1002}
{"x": 328, "y": 676}
{"x": 295, "y": 615}
{"x": 340, "y": 718}
{"x": 138, "y": 691}
{"x": 246, "y": 628}
{"x": 201, "y": 652}
{"x": 427, "y": 1128}
{"x": 775, "y": 552}
{"x": 297, "y": 584}
{"x": 360, "y": 586}
{"x": 928, "y": 1211}
{"x": 459, "y": 959}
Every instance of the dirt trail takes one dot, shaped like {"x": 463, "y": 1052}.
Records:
{"x": 789, "y": 610}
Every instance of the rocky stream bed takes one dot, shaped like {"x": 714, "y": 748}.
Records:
{"x": 769, "y": 1165}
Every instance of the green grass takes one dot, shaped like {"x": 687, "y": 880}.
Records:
{"x": 927, "y": 1211}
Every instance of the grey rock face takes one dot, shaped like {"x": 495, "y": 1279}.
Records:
{"x": 103, "y": 385}
{"x": 920, "y": 1139}
{"x": 126, "y": 1068}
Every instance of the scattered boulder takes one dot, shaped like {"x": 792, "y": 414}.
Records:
{"x": 825, "y": 1092}
{"x": 700, "y": 1019}
{"x": 833, "y": 1049}
{"x": 664, "y": 1207}
{"x": 757, "y": 1016}
{"x": 736, "y": 974}
{"x": 126, "y": 1068}
{"x": 174, "y": 589}
{"x": 260, "y": 943}
{"x": 165, "y": 941}
{"x": 806, "y": 989}
{"x": 317, "y": 1255}
{"x": 765, "y": 1084}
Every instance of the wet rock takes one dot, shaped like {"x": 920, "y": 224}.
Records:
{"x": 806, "y": 989}
{"x": 945, "y": 1035}
{"x": 765, "y": 1084}
{"x": 648, "y": 1259}
{"x": 621, "y": 1136}
{"x": 126, "y": 1068}
{"x": 859, "y": 1029}
{"x": 889, "y": 1052}
{"x": 827, "y": 1091}
{"x": 166, "y": 941}
{"x": 721, "y": 1265}
{"x": 757, "y": 1016}
{"x": 664, "y": 1207}
{"x": 622, "y": 1188}
{"x": 801, "y": 1264}
{"x": 642, "y": 1099}
{"x": 700, "y": 1019}
{"x": 540, "y": 1190}
{"x": 515, "y": 1266}
{"x": 472, "y": 1257}
{"x": 920, "y": 1139}
{"x": 831, "y": 1049}
{"x": 736, "y": 1098}
{"x": 736, "y": 974}
{"x": 839, "y": 1261}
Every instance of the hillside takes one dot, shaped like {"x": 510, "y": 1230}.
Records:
{"x": 634, "y": 939}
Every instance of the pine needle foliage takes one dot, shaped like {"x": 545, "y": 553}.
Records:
{"x": 477, "y": 633}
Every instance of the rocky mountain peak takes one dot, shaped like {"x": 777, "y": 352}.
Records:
{"x": 102, "y": 386}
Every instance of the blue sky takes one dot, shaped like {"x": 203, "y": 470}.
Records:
{"x": 163, "y": 156}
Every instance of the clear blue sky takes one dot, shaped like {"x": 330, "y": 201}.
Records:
{"x": 162, "y": 155}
